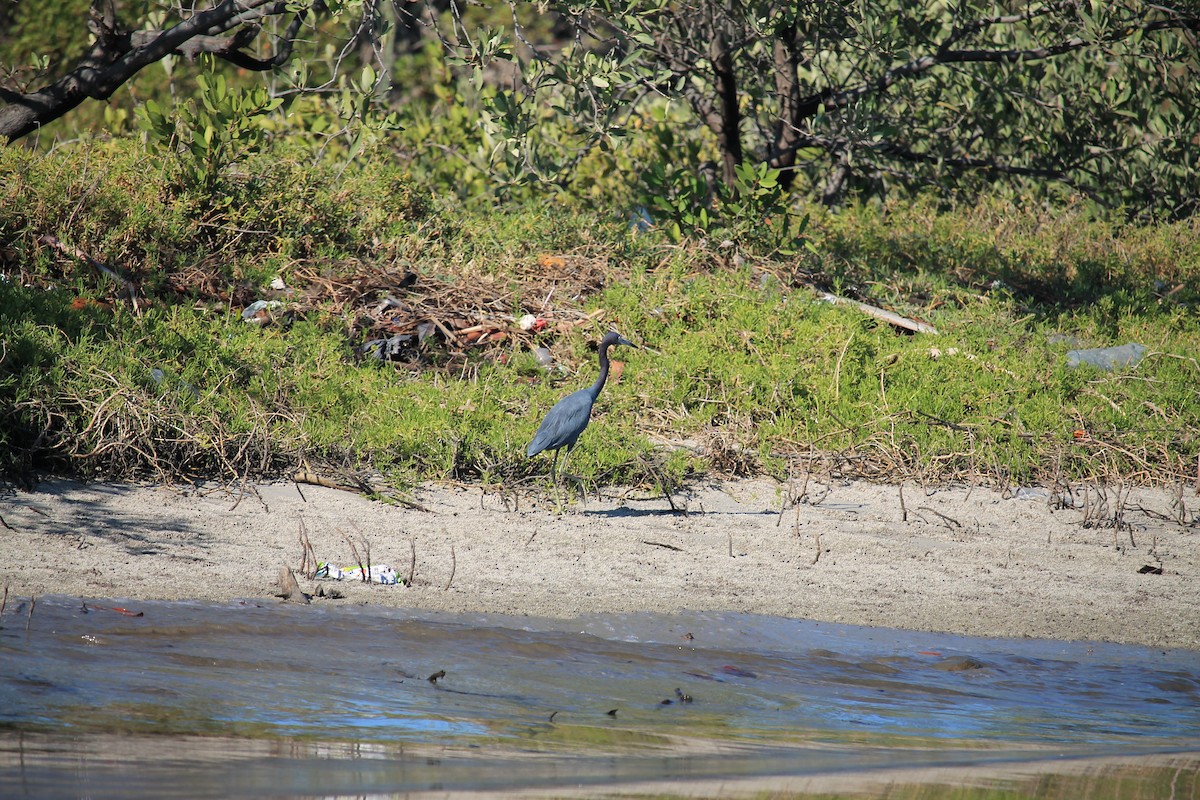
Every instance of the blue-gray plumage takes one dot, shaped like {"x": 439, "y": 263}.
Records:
{"x": 570, "y": 416}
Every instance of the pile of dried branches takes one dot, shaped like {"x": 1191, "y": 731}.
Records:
{"x": 396, "y": 314}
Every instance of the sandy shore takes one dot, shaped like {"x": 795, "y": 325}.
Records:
{"x": 960, "y": 560}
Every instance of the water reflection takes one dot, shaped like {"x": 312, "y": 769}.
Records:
{"x": 346, "y": 692}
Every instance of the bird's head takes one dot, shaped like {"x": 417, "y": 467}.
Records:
{"x": 613, "y": 338}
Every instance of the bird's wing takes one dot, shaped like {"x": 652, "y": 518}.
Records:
{"x": 563, "y": 423}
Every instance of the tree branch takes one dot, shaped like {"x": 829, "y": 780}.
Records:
{"x": 117, "y": 55}
{"x": 794, "y": 110}
{"x": 942, "y": 56}
{"x": 974, "y": 164}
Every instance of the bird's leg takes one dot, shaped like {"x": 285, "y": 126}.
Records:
{"x": 579, "y": 487}
{"x": 566, "y": 454}
{"x": 554, "y": 482}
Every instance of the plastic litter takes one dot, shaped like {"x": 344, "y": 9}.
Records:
{"x": 395, "y": 348}
{"x": 640, "y": 220}
{"x": 531, "y": 323}
{"x": 1110, "y": 358}
{"x": 259, "y": 312}
{"x": 380, "y": 573}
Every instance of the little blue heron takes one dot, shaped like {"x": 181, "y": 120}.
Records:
{"x": 570, "y": 416}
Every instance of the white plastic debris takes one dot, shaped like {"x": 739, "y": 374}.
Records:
{"x": 544, "y": 357}
{"x": 259, "y": 311}
{"x": 1110, "y": 358}
{"x": 380, "y": 573}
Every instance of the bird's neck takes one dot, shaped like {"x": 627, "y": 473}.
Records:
{"x": 603, "y": 376}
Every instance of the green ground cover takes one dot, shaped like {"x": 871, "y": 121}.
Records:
{"x": 748, "y": 369}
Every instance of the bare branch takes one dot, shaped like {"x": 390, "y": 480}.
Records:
{"x": 943, "y": 56}
{"x": 117, "y": 55}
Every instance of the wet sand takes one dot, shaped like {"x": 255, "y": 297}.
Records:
{"x": 961, "y": 560}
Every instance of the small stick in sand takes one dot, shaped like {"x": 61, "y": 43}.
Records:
{"x": 308, "y": 556}
{"x": 364, "y": 565}
{"x": 950, "y": 521}
{"x": 412, "y": 563}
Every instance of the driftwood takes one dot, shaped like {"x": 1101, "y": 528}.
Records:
{"x": 879, "y": 313}
{"x": 289, "y": 588}
{"x": 356, "y": 485}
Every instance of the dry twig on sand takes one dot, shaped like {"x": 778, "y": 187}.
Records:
{"x": 453, "y": 567}
{"x": 308, "y": 556}
{"x": 412, "y": 563}
{"x": 364, "y": 563}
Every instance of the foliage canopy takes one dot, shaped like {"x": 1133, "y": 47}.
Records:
{"x": 1055, "y": 100}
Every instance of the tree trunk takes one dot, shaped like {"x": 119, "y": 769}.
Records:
{"x": 729, "y": 137}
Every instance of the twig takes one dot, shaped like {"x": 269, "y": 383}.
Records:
{"x": 950, "y": 521}
{"x": 887, "y": 316}
{"x": 903, "y": 508}
{"x": 364, "y": 565}
{"x": 367, "y": 546}
{"x": 308, "y": 556}
{"x": 1177, "y": 504}
{"x": 245, "y": 481}
{"x": 29, "y": 616}
{"x": 453, "y": 566}
{"x": 837, "y": 373}
{"x": 361, "y": 487}
{"x": 663, "y": 485}
{"x": 412, "y": 563}
{"x": 673, "y": 547}
{"x": 951, "y": 425}
{"x": 816, "y": 536}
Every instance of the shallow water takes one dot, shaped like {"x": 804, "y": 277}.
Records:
{"x": 336, "y": 700}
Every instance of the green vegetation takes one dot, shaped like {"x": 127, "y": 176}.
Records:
{"x": 1024, "y": 184}
{"x": 750, "y": 371}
